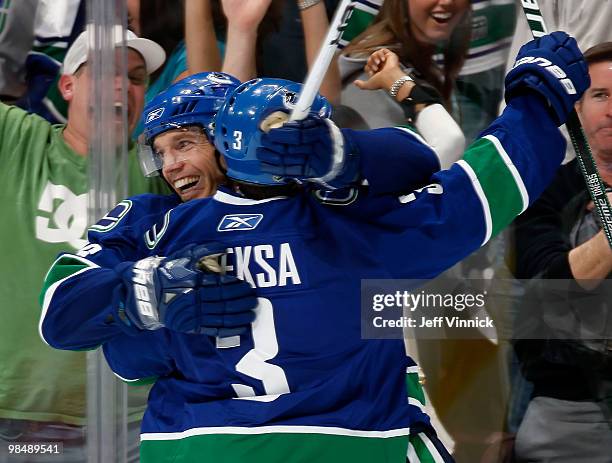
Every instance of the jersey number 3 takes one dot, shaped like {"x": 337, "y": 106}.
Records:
{"x": 254, "y": 363}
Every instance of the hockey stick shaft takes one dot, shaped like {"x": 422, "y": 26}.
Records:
{"x": 588, "y": 167}
{"x": 323, "y": 60}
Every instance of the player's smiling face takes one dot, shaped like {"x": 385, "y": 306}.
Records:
{"x": 189, "y": 162}
{"x": 434, "y": 20}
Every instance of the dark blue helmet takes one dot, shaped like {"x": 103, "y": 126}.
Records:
{"x": 238, "y": 124}
{"x": 193, "y": 100}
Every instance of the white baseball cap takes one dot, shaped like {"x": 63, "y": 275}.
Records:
{"x": 153, "y": 54}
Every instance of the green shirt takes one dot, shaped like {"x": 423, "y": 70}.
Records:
{"x": 43, "y": 192}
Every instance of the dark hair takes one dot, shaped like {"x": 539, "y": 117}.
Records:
{"x": 390, "y": 29}
{"x": 162, "y": 21}
{"x": 598, "y": 53}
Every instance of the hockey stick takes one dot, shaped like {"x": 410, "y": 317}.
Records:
{"x": 317, "y": 72}
{"x": 588, "y": 167}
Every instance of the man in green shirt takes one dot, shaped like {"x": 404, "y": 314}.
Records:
{"x": 44, "y": 210}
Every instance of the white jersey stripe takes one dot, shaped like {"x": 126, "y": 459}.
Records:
{"x": 51, "y": 289}
{"x": 513, "y": 170}
{"x": 482, "y": 197}
{"x": 432, "y": 448}
{"x": 275, "y": 430}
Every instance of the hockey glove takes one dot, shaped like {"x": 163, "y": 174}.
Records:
{"x": 554, "y": 67}
{"x": 174, "y": 292}
{"x": 313, "y": 149}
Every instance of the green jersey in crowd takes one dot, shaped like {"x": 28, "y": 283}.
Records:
{"x": 44, "y": 211}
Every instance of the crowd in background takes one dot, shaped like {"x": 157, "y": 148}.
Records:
{"x": 479, "y": 389}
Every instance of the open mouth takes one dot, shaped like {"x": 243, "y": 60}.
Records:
{"x": 185, "y": 183}
{"x": 442, "y": 18}
{"x": 119, "y": 108}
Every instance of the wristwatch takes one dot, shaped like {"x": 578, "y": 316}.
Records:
{"x": 395, "y": 88}
{"x": 304, "y": 4}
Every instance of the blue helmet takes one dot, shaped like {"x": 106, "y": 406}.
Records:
{"x": 237, "y": 125}
{"x": 193, "y": 100}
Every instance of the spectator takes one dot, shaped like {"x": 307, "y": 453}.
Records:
{"x": 569, "y": 416}
{"x": 253, "y": 34}
{"x": 589, "y": 25}
{"x": 586, "y": 21}
{"x": 42, "y": 393}
{"x": 430, "y": 25}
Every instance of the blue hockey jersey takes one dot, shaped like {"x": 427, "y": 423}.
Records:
{"x": 303, "y": 385}
{"x": 392, "y": 159}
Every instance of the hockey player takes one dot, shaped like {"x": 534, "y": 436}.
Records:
{"x": 308, "y": 387}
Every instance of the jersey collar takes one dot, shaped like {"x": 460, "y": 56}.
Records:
{"x": 227, "y": 198}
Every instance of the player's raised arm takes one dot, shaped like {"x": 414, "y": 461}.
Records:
{"x": 502, "y": 172}
{"x": 461, "y": 208}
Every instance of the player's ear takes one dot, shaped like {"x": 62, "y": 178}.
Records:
{"x": 66, "y": 86}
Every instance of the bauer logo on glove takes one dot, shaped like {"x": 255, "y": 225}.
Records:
{"x": 550, "y": 67}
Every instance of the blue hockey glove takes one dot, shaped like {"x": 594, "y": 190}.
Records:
{"x": 174, "y": 292}
{"x": 313, "y": 149}
{"x": 554, "y": 67}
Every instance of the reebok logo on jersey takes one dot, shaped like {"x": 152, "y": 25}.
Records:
{"x": 234, "y": 222}
{"x": 556, "y": 71}
{"x": 155, "y": 114}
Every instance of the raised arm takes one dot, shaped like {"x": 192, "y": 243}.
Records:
{"x": 200, "y": 39}
{"x": 243, "y": 19}
{"x": 420, "y": 102}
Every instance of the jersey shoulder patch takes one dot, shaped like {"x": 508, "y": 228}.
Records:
{"x": 133, "y": 209}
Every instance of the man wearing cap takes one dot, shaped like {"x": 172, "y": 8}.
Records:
{"x": 44, "y": 209}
